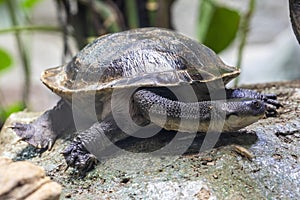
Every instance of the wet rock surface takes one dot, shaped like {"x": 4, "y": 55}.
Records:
{"x": 24, "y": 180}
{"x": 259, "y": 162}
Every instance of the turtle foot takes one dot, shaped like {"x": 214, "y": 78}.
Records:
{"x": 78, "y": 157}
{"x": 43, "y": 131}
{"x": 272, "y": 104}
{"x": 36, "y": 134}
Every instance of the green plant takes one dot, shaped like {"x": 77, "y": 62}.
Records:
{"x": 17, "y": 15}
{"x": 5, "y": 63}
{"x": 219, "y": 26}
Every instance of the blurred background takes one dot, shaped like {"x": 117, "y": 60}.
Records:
{"x": 37, "y": 34}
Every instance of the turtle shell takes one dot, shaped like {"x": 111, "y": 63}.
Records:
{"x": 146, "y": 57}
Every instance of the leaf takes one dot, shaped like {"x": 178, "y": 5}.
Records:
{"x": 28, "y": 4}
{"x": 5, "y": 60}
{"x": 5, "y": 112}
{"x": 220, "y": 25}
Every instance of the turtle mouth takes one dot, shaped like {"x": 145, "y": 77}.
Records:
{"x": 236, "y": 123}
{"x": 240, "y": 114}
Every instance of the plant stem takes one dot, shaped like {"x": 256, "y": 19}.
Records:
{"x": 29, "y": 28}
{"x": 206, "y": 9}
{"x": 162, "y": 16}
{"x": 23, "y": 53}
{"x": 132, "y": 13}
{"x": 2, "y": 108}
{"x": 244, "y": 30}
{"x": 107, "y": 13}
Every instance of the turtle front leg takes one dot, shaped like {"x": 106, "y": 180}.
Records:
{"x": 77, "y": 156}
{"x": 272, "y": 104}
{"x": 90, "y": 144}
{"x": 43, "y": 132}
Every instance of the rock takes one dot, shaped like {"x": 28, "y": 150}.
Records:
{"x": 227, "y": 171}
{"x": 24, "y": 180}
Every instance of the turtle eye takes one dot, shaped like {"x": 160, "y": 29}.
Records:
{"x": 256, "y": 104}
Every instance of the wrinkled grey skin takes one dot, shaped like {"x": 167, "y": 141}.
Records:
{"x": 153, "y": 62}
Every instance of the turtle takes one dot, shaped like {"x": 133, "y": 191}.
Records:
{"x": 139, "y": 77}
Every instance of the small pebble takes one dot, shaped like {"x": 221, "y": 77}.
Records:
{"x": 69, "y": 195}
{"x": 243, "y": 151}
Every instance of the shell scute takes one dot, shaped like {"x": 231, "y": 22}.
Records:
{"x": 147, "y": 57}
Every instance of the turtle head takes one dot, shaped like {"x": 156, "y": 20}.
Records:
{"x": 241, "y": 113}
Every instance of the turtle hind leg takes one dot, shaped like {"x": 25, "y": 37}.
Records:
{"x": 43, "y": 131}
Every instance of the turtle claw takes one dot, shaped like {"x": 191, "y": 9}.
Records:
{"x": 66, "y": 168}
{"x": 78, "y": 157}
{"x": 270, "y": 96}
{"x": 39, "y": 146}
{"x": 39, "y": 136}
{"x": 271, "y": 110}
{"x": 50, "y": 144}
{"x": 272, "y": 104}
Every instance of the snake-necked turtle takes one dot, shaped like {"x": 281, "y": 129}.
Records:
{"x": 146, "y": 69}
